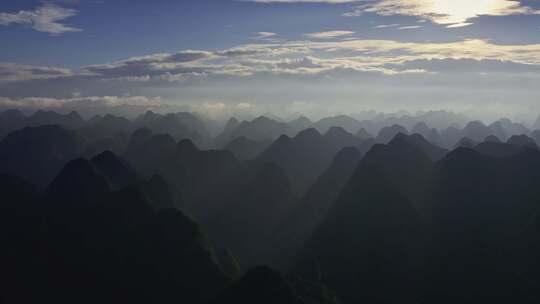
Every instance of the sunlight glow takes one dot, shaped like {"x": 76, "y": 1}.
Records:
{"x": 454, "y": 13}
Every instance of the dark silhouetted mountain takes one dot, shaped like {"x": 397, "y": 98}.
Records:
{"x": 260, "y": 285}
{"x": 522, "y": 141}
{"x": 38, "y": 153}
{"x": 347, "y": 123}
{"x": 11, "y": 120}
{"x": 466, "y": 142}
{"x": 69, "y": 121}
{"x": 149, "y": 156}
{"x": 482, "y": 214}
{"x": 493, "y": 139}
{"x": 363, "y": 134}
{"x": 407, "y": 164}
{"x": 245, "y": 149}
{"x": 386, "y": 134}
{"x": 477, "y": 131}
{"x": 498, "y": 150}
{"x": 193, "y": 171}
{"x": 369, "y": 247}
{"x": 315, "y": 205}
{"x": 248, "y": 216}
{"x": 84, "y": 238}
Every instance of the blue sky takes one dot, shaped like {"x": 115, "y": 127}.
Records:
{"x": 222, "y": 56}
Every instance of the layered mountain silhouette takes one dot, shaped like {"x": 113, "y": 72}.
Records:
{"x": 180, "y": 208}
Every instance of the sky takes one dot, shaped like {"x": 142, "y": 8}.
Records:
{"x": 315, "y": 57}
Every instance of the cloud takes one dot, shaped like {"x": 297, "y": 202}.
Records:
{"x": 18, "y": 72}
{"x": 303, "y": 1}
{"x": 46, "y": 18}
{"x": 88, "y": 106}
{"x": 329, "y": 34}
{"x": 386, "y": 26}
{"x": 456, "y": 13}
{"x": 264, "y": 36}
{"x": 410, "y": 27}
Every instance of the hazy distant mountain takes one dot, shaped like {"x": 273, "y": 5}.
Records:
{"x": 245, "y": 149}
{"x": 512, "y": 128}
{"x": 536, "y": 136}
{"x": 346, "y": 122}
{"x": 70, "y": 121}
{"x": 450, "y": 137}
{"x": 308, "y": 154}
{"x": 536, "y": 125}
{"x": 386, "y": 134}
{"x": 260, "y": 129}
{"x": 38, "y": 153}
{"x": 363, "y": 134}
{"x": 477, "y": 131}
{"x": 299, "y": 124}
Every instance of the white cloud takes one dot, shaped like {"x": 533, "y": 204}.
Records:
{"x": 456, "y": 13}
{"x": 329, "y": 34}
{"x": 409, "y": 27}
{"x": 18, "y": 72}
{"x": 46, "y": 18}
{"x": 304, "y": 1}
{"x": 386, "y": 26}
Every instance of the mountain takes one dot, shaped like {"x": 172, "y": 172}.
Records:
{"x": 247, "y": 217}
{"x": 38, "y": 153}
{"x": 523, "y": 141}
{"x": 536, "y": 136}
{"x": 260, "y": 285}
{"x": 363, "y": 134}
{"x": 368, "y": 247}
{"x": 477, "y": 131}
{"x": 536, "y": 125}
{"x": 386, "y": 134}
{"x": 493, "y": 139}
{"x": 245, "y": 149}
{"x": 260, "y": 129}
{"x": 69, "y": 121}
{"x": 466, "y": 142}
{"x": 498, "y": 130}
{"x": 315, "y": 205}
{"x": 106, "y": 244}
{"x": 346, "y": 122}
{"x": 482, "y": 213}
{"x": 512, "y": 128}
{"x": 299, "y": 124}
{"x": 148, "y": 156}
{"x": 450, "y": 137}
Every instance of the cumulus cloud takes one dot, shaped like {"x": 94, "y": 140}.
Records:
{"x": 456, "y": 13}
{"x": 47, "y": 18}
